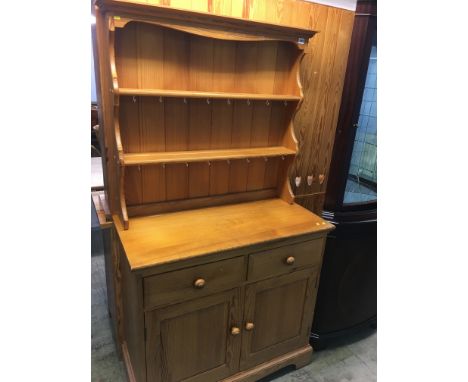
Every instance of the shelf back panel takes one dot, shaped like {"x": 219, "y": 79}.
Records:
{"x": 153, "y": 57}
{"x": 157, "y": 183}
{"x": 148, "y": 124}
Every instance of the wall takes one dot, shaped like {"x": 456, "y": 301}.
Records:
{"x": 322, "y": 73}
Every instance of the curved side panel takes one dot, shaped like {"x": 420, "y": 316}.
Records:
{"x": 123, "y": 205}
{"x": 290, "y": 140}
{"x": 118, "y": 140}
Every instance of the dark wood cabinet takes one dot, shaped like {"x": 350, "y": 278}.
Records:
{"x": 347, "y": 297}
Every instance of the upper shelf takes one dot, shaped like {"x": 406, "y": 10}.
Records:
{"x": 203, "y": 23}
{"x": 137, "y": 159}
{"x": 207, "y": 95}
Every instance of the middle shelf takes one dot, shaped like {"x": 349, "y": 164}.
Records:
{"x": 207, "y": 95}
{"x": 136, "y": 159}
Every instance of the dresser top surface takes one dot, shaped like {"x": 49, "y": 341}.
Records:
{"x": 159, "y": 239}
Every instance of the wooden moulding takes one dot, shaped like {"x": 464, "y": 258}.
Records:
{"x": 203, "y": 23}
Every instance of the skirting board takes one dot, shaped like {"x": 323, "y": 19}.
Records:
{"x": 299, "y": 358}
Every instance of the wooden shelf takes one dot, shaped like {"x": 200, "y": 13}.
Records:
{"x": 204, "y": 23}
{"x": 207, "y": 95}
{"x": 204, "y": 155}
{"x": 164, "y": 238}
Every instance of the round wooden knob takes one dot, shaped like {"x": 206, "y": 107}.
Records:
{"x": 235, "y": 331}
{"x": 199, "y": 283}
{"x": 249, "y": 326}
{"x": 290, "y": 260}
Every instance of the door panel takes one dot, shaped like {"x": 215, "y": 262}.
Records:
{"x": 192, "y": 341}
{"x": 267, "y": 305}
{"x": 280, "y": 310}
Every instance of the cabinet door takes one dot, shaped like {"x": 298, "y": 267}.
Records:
{"x": 194, "y": 341}
{"x": 278, "y": 316}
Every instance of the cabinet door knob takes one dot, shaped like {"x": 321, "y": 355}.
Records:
{"x": 235, "y": 331}
{"x": 199, "y": 283}
{"x": 249, "y": 326}
{"x": 290, "y": 260}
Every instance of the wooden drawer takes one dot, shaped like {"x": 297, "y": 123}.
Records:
{"x": 193, "y": 282}
{"x": 275, "y": 262}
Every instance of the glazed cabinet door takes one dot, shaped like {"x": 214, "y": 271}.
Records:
{"x": 277, "y": 317}
{"x": 194, "y": 341}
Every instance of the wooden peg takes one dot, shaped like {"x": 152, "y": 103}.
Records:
{"x": 321, "y": 178}
{"x": 267, "y": 103}
{"x": 186, "y": 164}
{"x": 228, "y": 101}
{"x": 134, "y": 99}
{"x": 248, "y": 102}
{"x": 209, "y": 163}
{"x": 248, "y": 160}
{"x": 185, "y": 100}
{"x": 297, "y": 180}
{"x": 228, "y": 162}
{"x": 310, "y": 179}
{"x": 285, "y": 103}
{"x": 208, "y": 101}
{"x": 160, "y": 99}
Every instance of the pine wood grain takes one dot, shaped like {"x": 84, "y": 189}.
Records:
{"x": 129, "y": 124}
{"x": 153, "y": 184}
{"x": 242, "y": 124}
{"x": 165, "y": 238}
{"x": 150, "y": 53}
{"x": 172, "y": 287}
{"x": 126, "y": 56}
{"x": 322, "y": 73}
{"x": 224, "y": 66}
{"x": 221, "y": 124}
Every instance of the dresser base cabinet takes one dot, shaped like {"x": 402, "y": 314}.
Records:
{"x": 238, "y": 330}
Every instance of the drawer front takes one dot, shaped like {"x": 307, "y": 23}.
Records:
{"x": 193, "y": 282}
{"x": 285, "y": 259}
